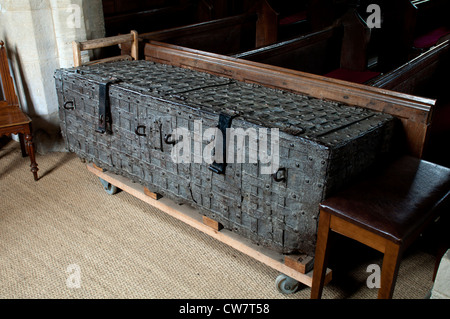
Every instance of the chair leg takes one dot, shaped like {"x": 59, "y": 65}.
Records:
{"x": 22, "y": 145}
{"x": 321, "y": 255}
{"x": 30, "y": 149}
{"x": 389, "y": 270}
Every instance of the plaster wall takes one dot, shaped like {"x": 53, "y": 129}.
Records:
{"x": 38, "y": 35}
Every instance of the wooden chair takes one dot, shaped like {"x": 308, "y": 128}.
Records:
{"x": 386, "y": 211}
{"x": 106, "y": 42}
{"x": 12, "y": 119}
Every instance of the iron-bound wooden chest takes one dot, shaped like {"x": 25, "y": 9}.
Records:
{"x": 162, "y": 126}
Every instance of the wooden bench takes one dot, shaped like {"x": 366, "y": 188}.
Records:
{"x": 426, "y": 75}
{"x": 431, "y": 22}
{"x": 148, "y": 16}
{"x": 419, "y": 75}
{"x": 386, "y": 211}
{"x": 230, "y": 35}
{"x": 339, "y": 51}
{"x": 143, "y": 16}
{"x": 317, "y": 52}
{"x": 404, "y": 23}
{"x": 255, "y": 27}
{"x": 281, "y": 20}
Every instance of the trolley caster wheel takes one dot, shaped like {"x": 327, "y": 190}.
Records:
{"x": 108, "y": 187}
{"x": 286, "y": 285}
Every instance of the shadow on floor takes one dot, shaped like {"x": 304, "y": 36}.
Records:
{"x": 8, "y": 146}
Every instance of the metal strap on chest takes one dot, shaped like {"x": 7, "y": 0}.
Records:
{"x": 104, "y": 110}
{"x": 224, "y": 124}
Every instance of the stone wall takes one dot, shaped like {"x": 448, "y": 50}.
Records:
{"x": 38, "y": 35}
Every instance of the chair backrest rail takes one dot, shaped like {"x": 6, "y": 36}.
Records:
{"x": 7, "y": 81}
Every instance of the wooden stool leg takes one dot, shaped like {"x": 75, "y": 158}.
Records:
{"x": 389, "y": 270}
{"x": 321, "y": 255}
{"x": 30, "y": 149}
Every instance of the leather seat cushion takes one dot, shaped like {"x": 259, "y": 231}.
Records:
{"x": 396, "y": 201}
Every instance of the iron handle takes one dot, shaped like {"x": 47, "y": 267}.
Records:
{"x": 69, "y": 107}
{"x": 168, "y": 141}
{"x": 276, "y": 177}
{"x": 223, "y": 125}
{"x": 140, "y": 128}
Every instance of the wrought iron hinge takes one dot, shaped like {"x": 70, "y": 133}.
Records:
{"x": 224, "y": 124}
{"x": 104, "y": 109}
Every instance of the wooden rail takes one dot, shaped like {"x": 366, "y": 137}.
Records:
{"x": 409, "y": 77}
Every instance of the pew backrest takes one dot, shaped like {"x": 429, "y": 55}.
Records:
{"x": 318, "y": 52}
{"x": 413, "y": 76}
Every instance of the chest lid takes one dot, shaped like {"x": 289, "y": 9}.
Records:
{"x": 326, "y": 122}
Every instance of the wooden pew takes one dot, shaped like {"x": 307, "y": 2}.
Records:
{"x": 414, "y": 112}
{"x": 339, "y": 51}
{"x": 409, "y": 27}
{"x": 419, "y": 76}
{"x": 121, "y": 16}
{"x": 144, "y": 16}
{"x": 232, "y": 34}
{"x": 225, "y": 36}
{"x": 208, "y": 10}
{"x": 317, "y": 52}
{"x": 281, "y": 20}
{"x": 427, "y": 75}
{"x": 431, "y": 22}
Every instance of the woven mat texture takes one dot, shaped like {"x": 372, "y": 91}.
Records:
{"x": 125, "y": 248}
